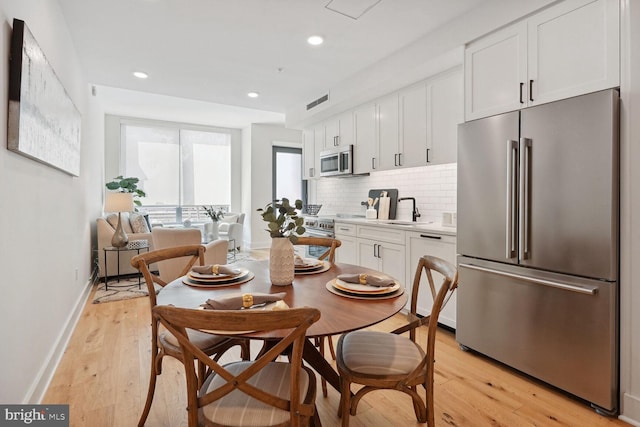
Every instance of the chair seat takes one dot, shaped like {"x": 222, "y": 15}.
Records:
{"x": 380, "y": 353}
{"x": 274, "y": 378}
{"x": 202, "y": 340}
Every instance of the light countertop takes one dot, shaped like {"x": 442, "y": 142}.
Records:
{"x": 433, "y": 227}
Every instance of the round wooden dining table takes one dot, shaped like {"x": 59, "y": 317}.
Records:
{"x": 339, "y": 314}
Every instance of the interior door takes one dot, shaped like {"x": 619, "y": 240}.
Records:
{"x": 571, "y": 223}
{"x": 487, "y": 165}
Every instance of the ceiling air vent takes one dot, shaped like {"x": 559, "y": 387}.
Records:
{"x": 318, "y": 101}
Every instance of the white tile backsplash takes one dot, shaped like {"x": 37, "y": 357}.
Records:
{"x": 434, "y": 188}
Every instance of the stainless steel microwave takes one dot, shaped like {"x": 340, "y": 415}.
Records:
{"x": 337, "y": 161}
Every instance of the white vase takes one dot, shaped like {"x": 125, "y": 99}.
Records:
{"x": 211, "y": 231}
{"x": 281, "y": 263}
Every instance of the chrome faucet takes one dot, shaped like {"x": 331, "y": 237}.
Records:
{"x": 414, "y": 213}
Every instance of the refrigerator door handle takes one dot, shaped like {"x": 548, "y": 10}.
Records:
{"x": 523, "y": 223}
{"x": 512, "y": 153}
{"x": 565, "y": 286}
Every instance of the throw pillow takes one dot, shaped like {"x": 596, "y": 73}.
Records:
{"x": 112, "y": 219}
{"x": 139, "y": 223}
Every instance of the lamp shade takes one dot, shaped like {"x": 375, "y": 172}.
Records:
{"x": 118, "y": 202}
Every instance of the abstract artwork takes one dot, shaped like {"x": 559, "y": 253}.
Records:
{"x": 43, "y": 122}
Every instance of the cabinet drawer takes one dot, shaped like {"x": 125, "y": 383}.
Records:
{"x": 345, "y": 229}
{"x": 381, "y": 234}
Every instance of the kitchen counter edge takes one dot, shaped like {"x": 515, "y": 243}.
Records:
{"x": 432, "y": 227}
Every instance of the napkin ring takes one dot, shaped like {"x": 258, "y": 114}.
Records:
{"x": 362, "y": 278}
{"x": 214, "y": 269}
{"x": 247, "y": 300}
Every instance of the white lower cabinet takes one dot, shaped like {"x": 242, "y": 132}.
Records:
{"x": 382, "y": 256}
{"x": 441, "y": 246}
{"x": 347, "y": 252}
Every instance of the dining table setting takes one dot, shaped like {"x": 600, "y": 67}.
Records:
{"x": 349, "y": 298}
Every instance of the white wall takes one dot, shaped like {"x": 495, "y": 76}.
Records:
{"x": 262, "y": 137}
{"x": 46, "y": 220}
{"x": 434, "y": 188}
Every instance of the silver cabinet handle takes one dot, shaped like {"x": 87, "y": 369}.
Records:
{"x": 428, "y": 155}
{"x": 395, "y": 159}
{"x": 523, "y": 233}
{"x": 551, "y": 283}
{"x": 512, "y": 152}
{"x": 344, "y": 229}
{"x": 531, "y": 90}
{"x": 399, "y": 159}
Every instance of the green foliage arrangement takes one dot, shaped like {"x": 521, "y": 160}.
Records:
{"x": 127, "y": 185}
{"x": 282, "y": 219}
{"x": 215, "y": 215}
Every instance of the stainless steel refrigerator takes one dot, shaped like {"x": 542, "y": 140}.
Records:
{"x": 537, "y": 238}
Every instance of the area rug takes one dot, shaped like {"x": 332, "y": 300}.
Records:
{"x": 126, "y": 289}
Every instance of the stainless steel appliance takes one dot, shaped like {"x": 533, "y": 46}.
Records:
{"x": 337, "y": 161}
{"x": 318, "y": 226}
{"x": 538, "y": 242}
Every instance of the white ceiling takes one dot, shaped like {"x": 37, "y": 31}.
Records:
{"x": 218, "y": 50}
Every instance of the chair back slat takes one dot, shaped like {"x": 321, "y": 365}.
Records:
{"x": 327, "y": 242}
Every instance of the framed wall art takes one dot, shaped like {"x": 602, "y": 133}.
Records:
{"x": 43, "y": 122}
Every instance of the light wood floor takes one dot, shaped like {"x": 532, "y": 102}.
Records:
{"x": 104, "y": 373}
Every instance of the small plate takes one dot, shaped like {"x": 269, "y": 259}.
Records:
{"x": 321, "y": 268}
{"x": 228, "y": 282}
{"x": 357, "y": 288}
{"x": 370, "y": 297}
{"x": 216, "y": 277}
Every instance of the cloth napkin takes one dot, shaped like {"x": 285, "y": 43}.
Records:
{"x": 299, "y": 261}
{"x": 242, "y": 301}
{"x": 215, "y": 269}
{"x": 367, "y": 279}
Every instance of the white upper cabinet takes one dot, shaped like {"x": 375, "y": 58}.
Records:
{"x": 387, "y": 111}
{"x": 445, "y": 111}
{"x": 573, "y": 49}
{"x": 308, "y": 154}
{"x": 495, "y": 72}
{"x": 566, "y": 50}
{"x": 339, "y": 130}
{"x": 318, "y": 132}
{"x": 413, "y": 126}
{"x": 365, "y": 150}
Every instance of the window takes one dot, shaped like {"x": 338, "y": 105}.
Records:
{"x": 287, "y": 174}
{"x": 179, "y": 168}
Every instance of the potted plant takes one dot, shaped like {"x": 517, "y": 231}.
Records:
{"x": 284, "y": 226}
{"x": 211, "y": 228}
{"x": 127, "y": 185}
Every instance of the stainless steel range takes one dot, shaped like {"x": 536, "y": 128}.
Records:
{"x": 318, "y": 226}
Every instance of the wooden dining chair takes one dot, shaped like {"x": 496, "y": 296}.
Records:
{"x": 330, "y": 255}
{"x": 327, "y": 242}
{"x": 383, "y": 360}
{"x": 261, "y": 392}
{"x": 164, "y": 343}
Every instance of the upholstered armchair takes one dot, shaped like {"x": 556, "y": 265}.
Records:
{"x": 164, "y": 237}
{"x": 231, "y": 229}
{"x": 136, "y": 227}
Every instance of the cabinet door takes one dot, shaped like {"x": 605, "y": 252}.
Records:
{"x": 367, "y": 254}
{"x": 495, "y": 69}
{"x": 441, "y": 246}
{"x": 318, "y": 137}
{"x": 413, "y": 126}
{"x": 331, "y": 132}
{"x": 365, "y": 149}
{"x": 346, "y": 129}
{"x": 309, "y": 154}
{"x": 573, "y": 49}
{"x": 347, "y": 252}
{"x": 392, "y": 257}
{"x": 445, "y": 101}
{"x": 388, "y": 131}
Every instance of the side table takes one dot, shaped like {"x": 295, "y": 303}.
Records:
{"x": 117, "y": 251}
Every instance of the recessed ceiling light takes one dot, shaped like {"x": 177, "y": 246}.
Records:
{"x": 140, "y": 74}
{"x": 253, "y": 94}
{"x": 315, "y": 40}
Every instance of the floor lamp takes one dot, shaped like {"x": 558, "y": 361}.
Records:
{"x": 119, "y": 202}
